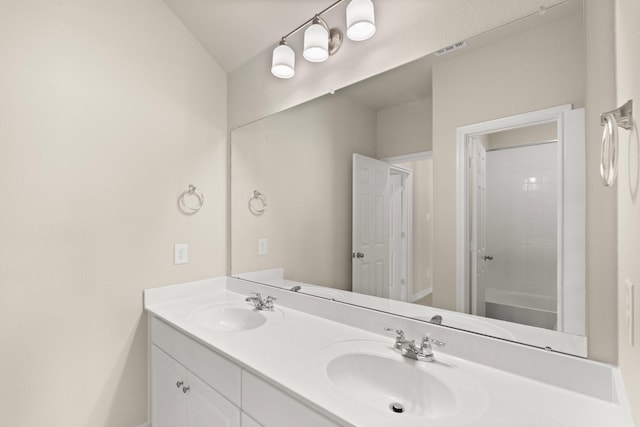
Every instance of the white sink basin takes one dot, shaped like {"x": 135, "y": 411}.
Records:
{"x": 382, "y": 382}
{"x": 369, "y": 374}
{"x": 229, "y": 318}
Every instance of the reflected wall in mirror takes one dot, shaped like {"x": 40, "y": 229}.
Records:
{"x": 302, "y": 159}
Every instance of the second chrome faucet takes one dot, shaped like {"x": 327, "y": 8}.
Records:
{"x": 409, "y": 348}
{"x": 259, "y": 303}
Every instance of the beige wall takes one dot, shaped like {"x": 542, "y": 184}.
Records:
{"x": 628, "y": 87}
{"x": 109, "y": 109}
{"x": 404, "y": 129}
{"x": 301, "y": 160}
{"x": 539, "y": 69}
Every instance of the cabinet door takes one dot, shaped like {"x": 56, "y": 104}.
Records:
{"x": 168, "y": 402}
{"x": 272, "y": 407}
{"x": 208, "y": 408}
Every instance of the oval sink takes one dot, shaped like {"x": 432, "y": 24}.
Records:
{"x": 227, "y": 319}
{"x": 371, "y": 376}
{"x": 382, "y": 382}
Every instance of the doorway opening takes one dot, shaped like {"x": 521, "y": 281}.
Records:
{"x": 520, "y": 194}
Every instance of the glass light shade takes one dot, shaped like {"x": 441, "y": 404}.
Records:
{"x": 316, "y": 43}
{"x": 283, "y": 63}
{"x": 361, "y": 23}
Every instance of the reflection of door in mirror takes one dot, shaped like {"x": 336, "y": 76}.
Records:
{"x": 370, "y": 229}
{"x": 515, "y": 203}
{"x": 392, "y": 227}
{"x": 515, "y": 214}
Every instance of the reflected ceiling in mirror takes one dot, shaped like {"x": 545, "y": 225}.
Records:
{"x": 301, "y": 160}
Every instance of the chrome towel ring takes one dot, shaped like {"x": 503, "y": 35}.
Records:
{"x": 257, "y": 203}
{"x": 622, "y": 117}
{"x": 192, "y": 192}
{"x": 609, "y": 150}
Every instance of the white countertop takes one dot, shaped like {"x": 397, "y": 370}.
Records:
{"x": 284, "y": 351}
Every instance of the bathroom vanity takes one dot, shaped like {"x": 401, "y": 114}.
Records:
{"x": 217, "y": 360}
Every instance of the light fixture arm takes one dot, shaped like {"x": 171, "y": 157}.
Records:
{"x": 310, "y": 20}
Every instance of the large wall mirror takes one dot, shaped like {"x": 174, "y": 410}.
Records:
{"x": 369, "y": 195}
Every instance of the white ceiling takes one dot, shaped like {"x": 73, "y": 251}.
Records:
{"x": 234, "y": 31}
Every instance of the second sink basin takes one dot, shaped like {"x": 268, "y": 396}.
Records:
{"x": 369, "y": 374}
{"x": 382, "y": 383}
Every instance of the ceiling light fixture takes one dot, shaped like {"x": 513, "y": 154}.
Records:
{"x": 316, "y": 41}
{"x": 283, "y": 64}
{"x": 361, "y": 22}
{"x": 320, "y": 41}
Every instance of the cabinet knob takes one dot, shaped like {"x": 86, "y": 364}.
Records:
{"x": 186, "y": 389}
{"x": 179, "y": 384}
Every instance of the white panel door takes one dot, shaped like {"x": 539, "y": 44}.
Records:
{"x": 370, "y": 234}
{"x": 479, "y": 256}
{"x": 167, "y": 399}
{"x": 208, "y": 408}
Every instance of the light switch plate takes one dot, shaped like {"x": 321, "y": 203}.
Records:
{"x": 180, "y": 253}
{"x": 263, "y": 248}
{"x": 628, "y": 305}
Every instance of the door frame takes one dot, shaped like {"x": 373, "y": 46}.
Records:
{"x": 422, "y": 155}
{"x": 406, "y": 176}
{"x": 477, "y": 204}
{"x": 571, "y": 259}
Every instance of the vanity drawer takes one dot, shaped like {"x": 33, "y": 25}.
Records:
{"x": 272, "y": 407}
{"x": 215, "y": 370}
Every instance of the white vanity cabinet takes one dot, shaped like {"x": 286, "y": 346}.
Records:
{"x": 193, "y": 386}
{"x": 180, "y": 398}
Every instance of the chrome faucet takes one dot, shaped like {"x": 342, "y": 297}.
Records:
{"x": 259, "y": 303}
{"x": 295, "y": 288}
{"x": 409, "y": 348}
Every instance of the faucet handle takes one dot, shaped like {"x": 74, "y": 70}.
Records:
{"x": 399, "y": 333}
{"x": 428, "y": 340}
{"x": 257, "y": 294}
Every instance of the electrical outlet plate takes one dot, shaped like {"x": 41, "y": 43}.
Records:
{"x": 180, "y": 253}
{"x": 628, "y": 305}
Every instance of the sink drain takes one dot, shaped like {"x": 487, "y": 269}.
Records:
{"x": 397, "y": 407}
